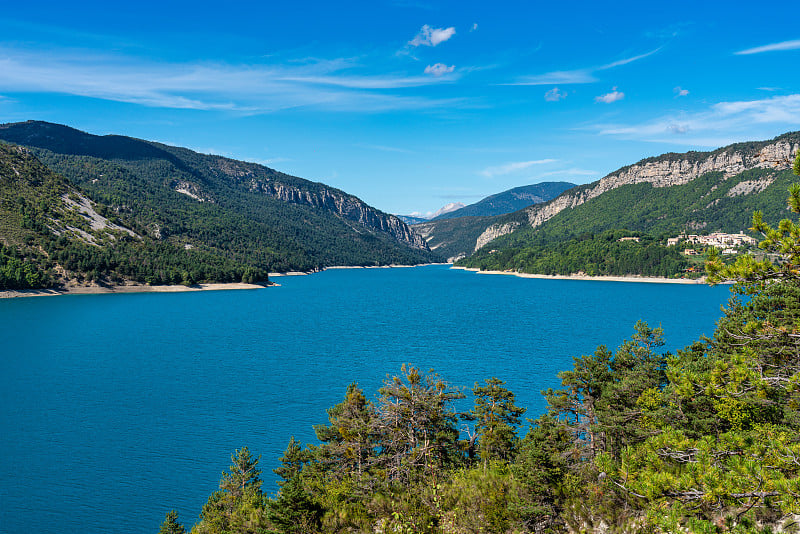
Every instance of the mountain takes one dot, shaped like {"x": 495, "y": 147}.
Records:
{"x": 509, "y": 201}
{"x": 454, "y": 235}
{"x": 239, "y": 211}
{"x": 698, "y": 192}
{"x": 52, "y": 234}
{"x": 447, "y": 209}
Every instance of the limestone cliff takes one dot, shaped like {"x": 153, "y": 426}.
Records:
{"x": 677, "y": 169}
{"x": 348, "y": 207}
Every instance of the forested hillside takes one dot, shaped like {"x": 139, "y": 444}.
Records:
{"x": 52, "y": 234}
{"x": 673, "y": 194}
{"x": 609, "y": 253}
{"x": 243, "y": 212}
{"x": 635, "y": 440}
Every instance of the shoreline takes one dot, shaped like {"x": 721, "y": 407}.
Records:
{"x": 103, "y": 290}
{"x": 602, "y": 278}
{"x": 142, "y": 288}
{"x": 339, "y": 267}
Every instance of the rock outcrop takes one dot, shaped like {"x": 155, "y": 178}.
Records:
{"x": 493, "y": 232}
{"x": 677, "y": 169}
{"x": 346, "y": 206}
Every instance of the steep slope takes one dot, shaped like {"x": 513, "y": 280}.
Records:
{"x": 510, "y": 201}
{"x": 698, "y": 192}
{"x": 462, "y": 236}
{"x": 52, "y": 234}
{"x": 464, "y": 233}
{"x": 241, "y": 210}
{"x": 669, "y": 170}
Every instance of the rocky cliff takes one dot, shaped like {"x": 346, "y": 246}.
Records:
{"x": 665, "y": 171}
{"x": 348, "y": 207}
{"x": 677, "y": 169}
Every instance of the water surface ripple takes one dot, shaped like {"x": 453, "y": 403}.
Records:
{"x": 118, "y": 408}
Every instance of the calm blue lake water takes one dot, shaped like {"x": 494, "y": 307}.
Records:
{"x": 117, "y": 408}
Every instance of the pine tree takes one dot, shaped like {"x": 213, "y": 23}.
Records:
{"x": 171, "y": 525}
{"x": 496, "y": 418}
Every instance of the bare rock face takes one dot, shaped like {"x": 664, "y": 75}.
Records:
{"x": 669, "y": 171}
{"x": 493, "y": 232}
{"x": 346, "y": 206}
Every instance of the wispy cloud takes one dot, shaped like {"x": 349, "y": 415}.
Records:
{"x": 585, "y": 75}
{"x": 384, "y": 148}
{"x": 680, "y": 91}
{"x": 774, "y": 47}
{"x": 439, "y": 69}
{"x": 508, "y": 168}
{"x": 563, "y": 77}
{"x": 608, "y": 98}
{"x": 720, "y": 124}
{"x": 554, "y": 95}
{"x": 254, "y": 88}
{"x": 625, "y": 61}
{"x": 428, "y": 36}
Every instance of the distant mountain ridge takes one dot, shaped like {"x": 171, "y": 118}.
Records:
{"x": 698, "y": 192}
{"x": 509, "y": 201}
{"x": 241, "y": 210}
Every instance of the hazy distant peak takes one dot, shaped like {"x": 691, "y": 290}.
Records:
{"x": 453, "y": 206}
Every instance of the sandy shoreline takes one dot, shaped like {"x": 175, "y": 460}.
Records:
{"x": 641, "y": 279}
{"x": 141, "y": 288}
{"x": 96, "y": 290}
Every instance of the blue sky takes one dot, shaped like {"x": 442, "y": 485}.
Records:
{"x": 411, "y": 104}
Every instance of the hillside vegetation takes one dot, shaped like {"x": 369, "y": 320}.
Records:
{"x": 239, "y": 212}
{"x": 52, "y": 234}
{"x": 635, "y": 440}
{"x": 658, "y": 197}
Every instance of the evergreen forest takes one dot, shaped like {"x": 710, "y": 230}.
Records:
{"x": 706, "y": 440}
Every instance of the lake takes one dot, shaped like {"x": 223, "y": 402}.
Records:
{"x": 118, "y": 408}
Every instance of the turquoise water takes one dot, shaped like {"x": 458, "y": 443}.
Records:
{"x": 118, "y": 408}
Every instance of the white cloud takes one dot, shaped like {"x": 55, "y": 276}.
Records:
{"x": 439, "y": 69}
{"x": 554, "y": 95}
{"x": 563, "y": 77}
{"x": 627, "y": 60}
{"x": 678, "y": 128}
{"x": 679, "y": 91}
{"x": 785, "y": 45}
{"x": 508, "y": 168}
{"x": 608, "y": 98}
{"x": 722, "y": 123}
{"x": 474, "y": 27}
{"x": 254, "y": 88}
{"x": 585, "y": 75}
{"x": 428, "y": 36}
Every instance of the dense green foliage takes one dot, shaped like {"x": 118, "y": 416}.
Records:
{"x": 239, "y": 211}
{"x": 48, "y": 240}
{"x": 19, "y": 272}
{"x": 709, "y": 203}
{"x": 602, "y": 254}
{"x": 701, "y": 205}
{"x": 509, "y": 201}
{"x": 635, "y": 440}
